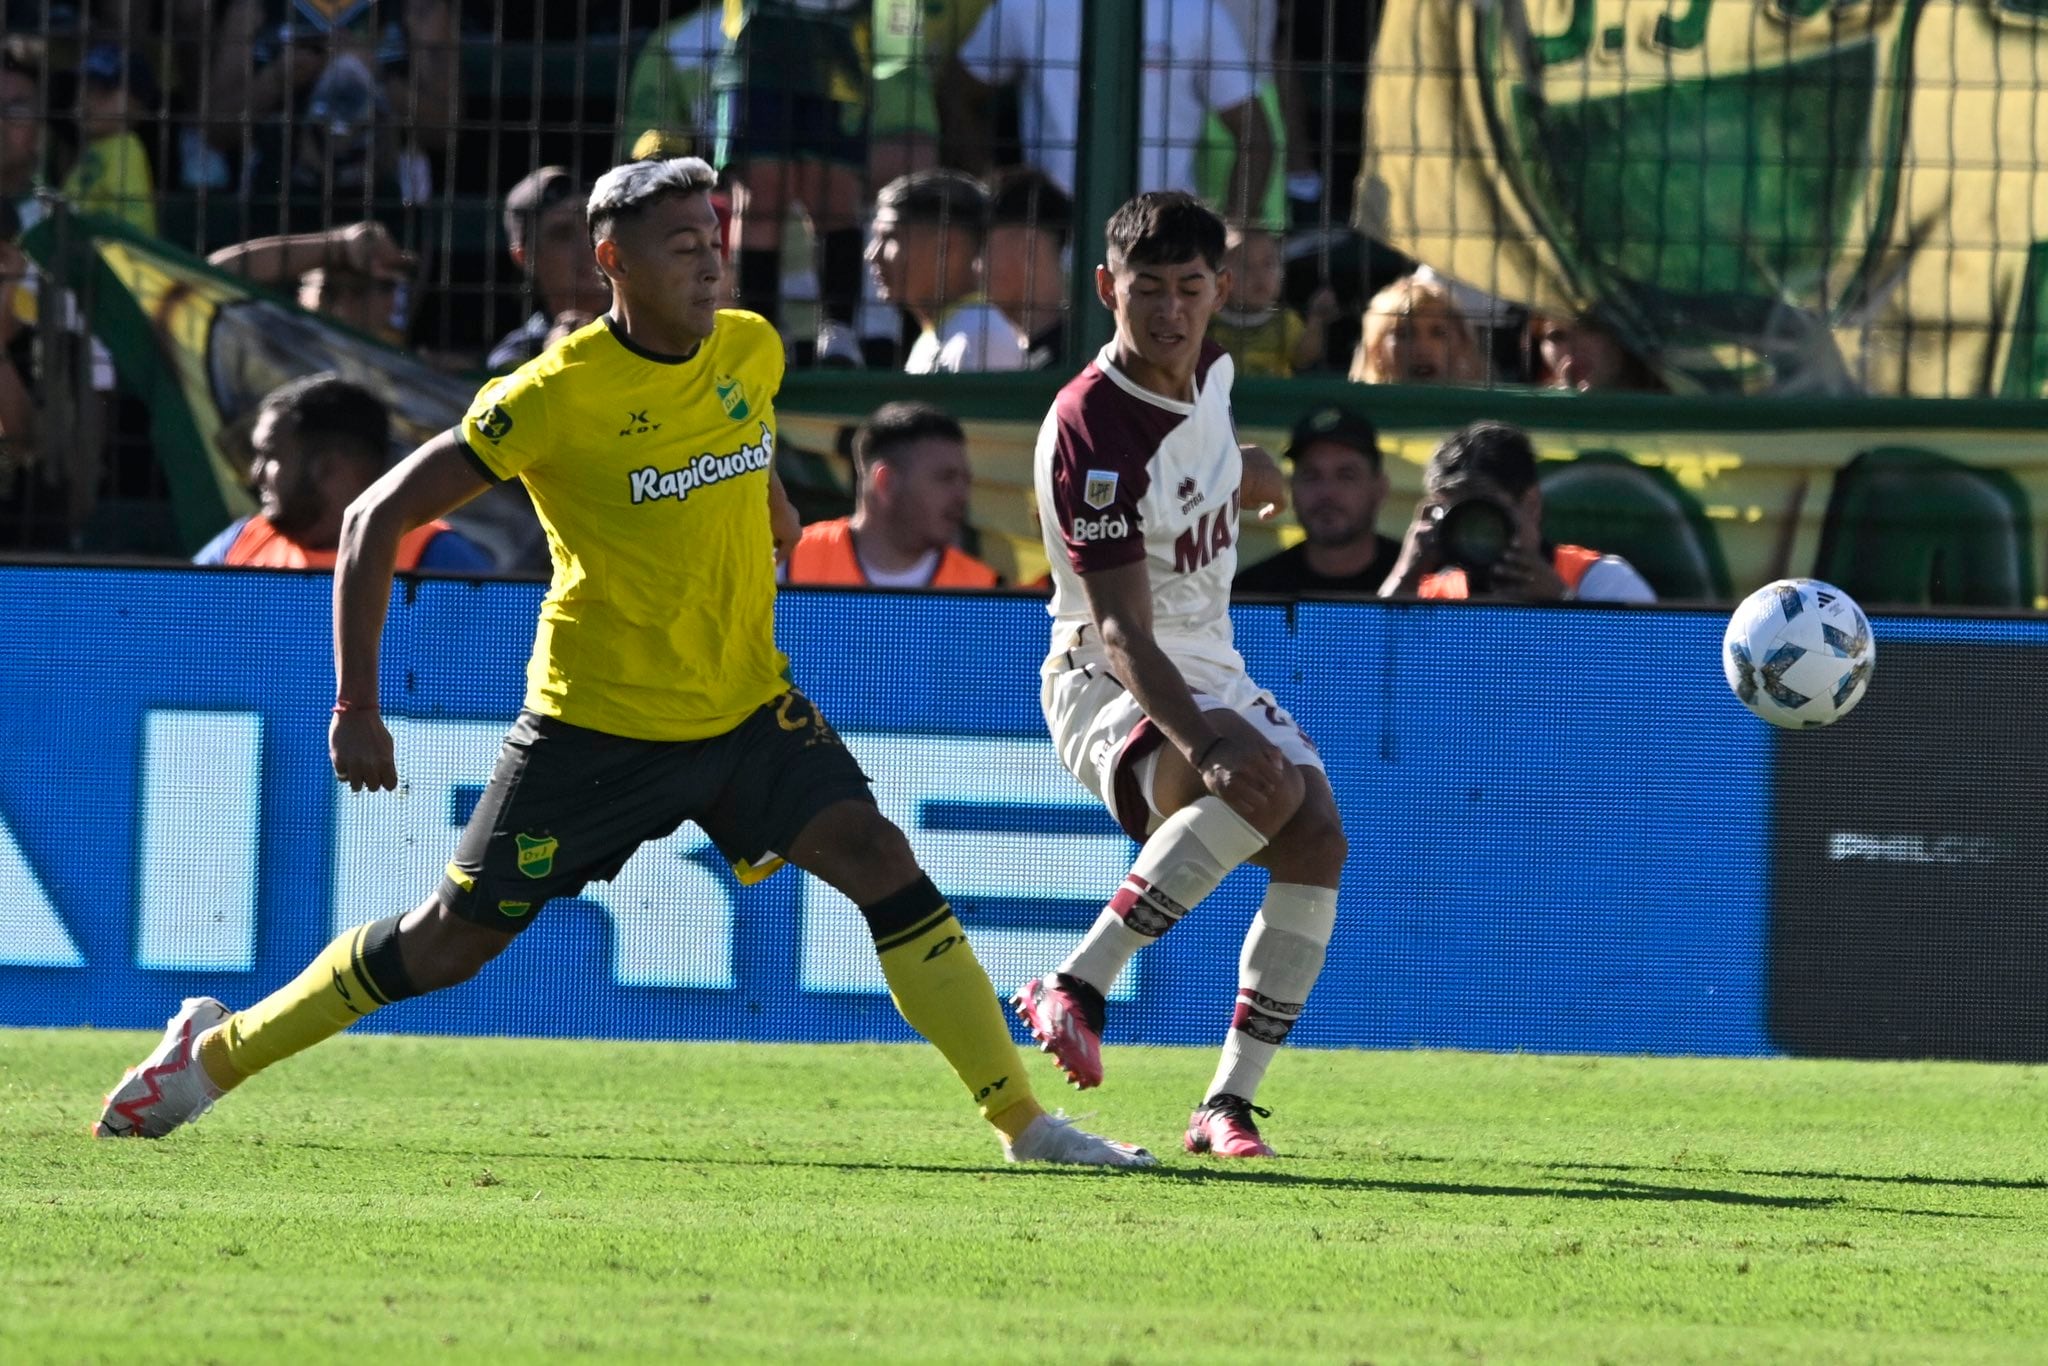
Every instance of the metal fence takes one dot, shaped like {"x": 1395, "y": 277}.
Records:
{"x": 1774, "y": 197}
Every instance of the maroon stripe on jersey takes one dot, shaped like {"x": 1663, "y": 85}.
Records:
{"x": 1132, "y": 811}
{"x": 1103, "y": 444}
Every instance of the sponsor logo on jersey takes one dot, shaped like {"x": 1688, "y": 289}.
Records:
{"x": 638, "y": 424}
{"x": 731, "y": 397}
{"x": 649, "y": 483}
{"x": 1100, "y": 490}
{"x": 1194, "y": 548}
{"x": 1104, "y": 528}
{"x": 1189, "y": 493}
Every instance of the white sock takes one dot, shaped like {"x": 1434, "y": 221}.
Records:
{"x": 1185, "y": 859}
{"x": 1283, "y": 954}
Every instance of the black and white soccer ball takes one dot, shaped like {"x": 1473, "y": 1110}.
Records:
{"x": 1798, "y": 653}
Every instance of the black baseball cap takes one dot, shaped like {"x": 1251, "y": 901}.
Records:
{"x": 1338, "y": 424}
{"x": 533, "y": 196}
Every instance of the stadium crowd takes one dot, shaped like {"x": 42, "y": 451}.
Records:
{"x": 898, "y": 188}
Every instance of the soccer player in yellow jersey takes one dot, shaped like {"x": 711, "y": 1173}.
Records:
{"x": 655, "y": 694}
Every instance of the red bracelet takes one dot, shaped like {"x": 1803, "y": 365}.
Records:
{"x": 343, "y": 705}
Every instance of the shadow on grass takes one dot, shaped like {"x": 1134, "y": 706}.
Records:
{"x": 1608, "y": 1188}
{"x": 1961, "y": 1182}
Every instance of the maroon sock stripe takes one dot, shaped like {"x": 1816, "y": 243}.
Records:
{"x": 1264, "y": 1018}
{"x": 1144, "y": 908}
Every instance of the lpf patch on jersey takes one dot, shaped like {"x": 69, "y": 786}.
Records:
{"x": 1100, "y": 490}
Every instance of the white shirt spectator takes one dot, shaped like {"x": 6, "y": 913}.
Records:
{"x": 974, "y": 336}
{"x": 1195, "y": 64}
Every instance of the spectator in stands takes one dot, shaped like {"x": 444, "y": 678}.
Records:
{"x": 17, "y": 407}
{"x": 1338, "y": 485}
{"x": 22, "y": 120}
{"x": 355, "y": 274}
{"x": 1582, "y": 356}
{"x": 925, "y": 246}
{"x": 1262, "y": 334}
{"x": 546, "y": 238}
{"x": 372, "y": 90}
{"x": 668, "y": 92}
{"x": 1195, "y": 65}
{"x": 318, "y": 443}
{"x": 116, "y": 93}
{"x": 1413, "y": 333}
{"x": 792, "y": 92}
{"x": 1030, "y": 228}
{"x": 910, "y": 505}
{"x": 1478, "y": 532}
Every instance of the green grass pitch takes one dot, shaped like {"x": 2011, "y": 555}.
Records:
{"x": 390, "y": 1200}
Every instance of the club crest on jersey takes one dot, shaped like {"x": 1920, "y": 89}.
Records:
{"x": 536, "y": 854}
{"x": 1100, "y": 490}
{"x": 731, "y": 397}
{"x": 649, "y": 483}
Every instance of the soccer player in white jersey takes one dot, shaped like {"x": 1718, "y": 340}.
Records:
{"x": 1140, "y": 479}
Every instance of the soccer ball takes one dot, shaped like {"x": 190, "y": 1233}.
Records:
{"x": 1798, "y": 653}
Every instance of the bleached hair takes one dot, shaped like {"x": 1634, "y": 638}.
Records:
{"x": 626, "y": 190}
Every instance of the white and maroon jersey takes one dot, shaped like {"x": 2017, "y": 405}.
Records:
{"x": 1126, "y": 475}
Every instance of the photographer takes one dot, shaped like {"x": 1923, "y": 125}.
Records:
{"x": 1478, "y": 532}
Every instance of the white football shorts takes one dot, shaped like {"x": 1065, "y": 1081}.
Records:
{"x": 1107, "y": 742}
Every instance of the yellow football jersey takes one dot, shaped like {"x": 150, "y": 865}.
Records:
{"x": 650, "y": 475}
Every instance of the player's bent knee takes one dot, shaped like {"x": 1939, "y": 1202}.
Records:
{"x": 855, "y": 848}
{"x": 1280, "y": 808}
{"x": 1311, "y": 848}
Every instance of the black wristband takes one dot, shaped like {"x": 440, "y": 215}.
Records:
{"x": 1205, "y": 752}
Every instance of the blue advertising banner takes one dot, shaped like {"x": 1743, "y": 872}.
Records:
{"x": 1561, "y": 825}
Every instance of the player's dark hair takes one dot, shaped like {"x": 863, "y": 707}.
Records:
{"x": 939, "y": 199}
{"x": 1493, "y": 451}
{"x": 893, "y": 427}
{"x": 329, "y": 413}
{"x": 1026, "y": 197}
{"x": 1165, "y": 228}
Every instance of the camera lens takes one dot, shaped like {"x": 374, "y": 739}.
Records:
{"x": 1476, "y": 531}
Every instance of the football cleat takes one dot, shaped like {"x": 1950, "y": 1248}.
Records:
{"x": 1064, "y": 1014}
{"x": 1053, "y": 1138}
{"x": 1222, "y": 1127}
{"x": 169, "y": 1087}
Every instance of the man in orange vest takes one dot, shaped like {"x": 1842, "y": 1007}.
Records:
{"x": 910, "y": 464}
{"x": 1478, "y": 532}
{"x": 319, "y": 442}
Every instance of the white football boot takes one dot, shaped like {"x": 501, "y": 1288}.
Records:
{"x": 1053, "y": 1138}
{"x": 169, "y": 1087}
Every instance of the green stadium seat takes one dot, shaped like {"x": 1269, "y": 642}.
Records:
{"x": 1608, "y": 502}
{"x": 1909, "y": 527}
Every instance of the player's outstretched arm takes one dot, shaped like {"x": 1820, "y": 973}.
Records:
{"x": 434, "y": 480}
{"x": 1236, "y": 765}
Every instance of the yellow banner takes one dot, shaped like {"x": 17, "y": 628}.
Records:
{"x": 1797, "y": 196}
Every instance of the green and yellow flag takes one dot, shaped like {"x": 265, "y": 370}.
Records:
{"x": 201, "y": 349}
{"x": 1800, "y": 196}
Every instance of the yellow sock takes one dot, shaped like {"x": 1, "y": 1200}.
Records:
{"x": 941, "y": 990}
{"x": 333, "y": 992}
